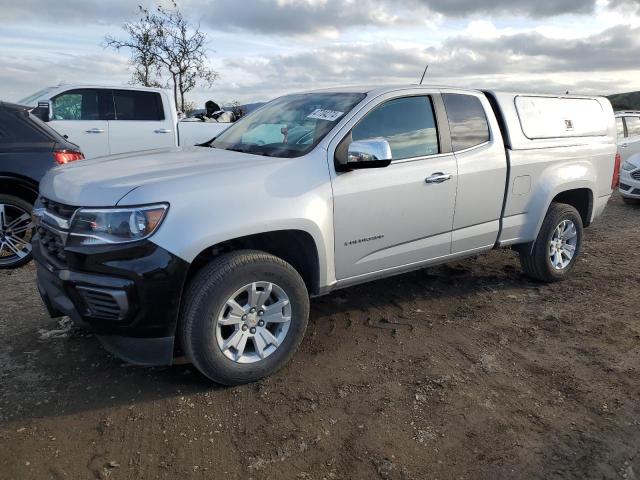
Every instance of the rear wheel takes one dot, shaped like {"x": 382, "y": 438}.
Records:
{"x": 631, "y": 201}
{"x": 16, "y": 231}
{"x": 244, "y": 316}
{"x": 557, "y": 247}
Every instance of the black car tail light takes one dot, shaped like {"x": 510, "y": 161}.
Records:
{"x": 63, "y": 157}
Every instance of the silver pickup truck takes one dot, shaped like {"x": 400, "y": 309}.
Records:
{"x": 213, "y": 252}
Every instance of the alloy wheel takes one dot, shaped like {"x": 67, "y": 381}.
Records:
{"x": 563, "y": 245}
{"x": 254, "y": 322}
{"x": 16, "y": 230}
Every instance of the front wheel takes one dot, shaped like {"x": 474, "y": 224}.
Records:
{"x": 16, "y": 231}
{"x": 244, "y": 316}
{"x": 557, "y": 247}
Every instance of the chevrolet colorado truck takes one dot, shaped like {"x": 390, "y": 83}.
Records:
{"x": 108, "y": 120}
{"x": 213, "y": 252}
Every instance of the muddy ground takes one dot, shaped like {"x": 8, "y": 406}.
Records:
{"x": 464, "y": 371}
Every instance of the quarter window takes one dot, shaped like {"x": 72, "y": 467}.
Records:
{"x": 133, "y": 105}
{"x": 408, "y": 124}
{"x": 83, "y": 104}
{"x": 633, "y": 126}
{"x": 15, "y": 127}
{"x": 467, "y": 121}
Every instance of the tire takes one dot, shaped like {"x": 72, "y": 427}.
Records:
{"x": 15, "y": 234}
{"x": 205, "y": 312}
{"x": 537, "y": 261}
{"x": 631, "y": 201}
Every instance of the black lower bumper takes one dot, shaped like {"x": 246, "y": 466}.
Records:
{"x": 128, "y": 295}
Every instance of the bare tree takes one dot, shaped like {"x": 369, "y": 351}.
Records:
{"x": 163, "y": 41}
{"x": 237, "y": 109}
{"x": 143, "y": 49}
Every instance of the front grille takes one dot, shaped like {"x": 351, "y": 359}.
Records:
{"x": 104, "y": 304}
{"x": 636, "y": 175}
{"x": 58, "y": 209}
{"x": 53, "y": 228}
{"x": 636, "y": 191}
{"x": 52, "y": 244}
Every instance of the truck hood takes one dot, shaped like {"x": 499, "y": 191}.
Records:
{"x": 104, "y": 181}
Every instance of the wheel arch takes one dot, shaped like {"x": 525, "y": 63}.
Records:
{"x": 579, "y": 198}
{"x": 296, "y": 247}
{"x": 18, "y": 186}
{"x": 579, "y": 195}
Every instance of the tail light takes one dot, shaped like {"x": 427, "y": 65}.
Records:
{"x": 63, "y": 157}
{"x": 615, "y": 181}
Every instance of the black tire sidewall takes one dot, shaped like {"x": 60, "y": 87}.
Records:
{"x": 204, "y": 346}
{"x": 562, "y": 213}
{"x": 27, "y": 207}
{"x": 630, "y": 200}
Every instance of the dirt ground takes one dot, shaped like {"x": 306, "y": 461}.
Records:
{"x": 464, "y": 371}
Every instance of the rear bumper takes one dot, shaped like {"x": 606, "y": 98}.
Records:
{"x": 129, "y": 296}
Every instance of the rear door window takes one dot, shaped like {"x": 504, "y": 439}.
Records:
{"x": 467, "y": 121}
{"x": 83, "y": 104}
{"x": 134, "y": 105}
{"x": 408, "y": 124}
{"x": 633, "y": 126}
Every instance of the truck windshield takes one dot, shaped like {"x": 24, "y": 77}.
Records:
{"x": 289, "y": 126}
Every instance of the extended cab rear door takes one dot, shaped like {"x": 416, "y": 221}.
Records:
{"x": 482, "y": 170}
{"x": 82, "y": 116}
{"x": 141, "y": 122}
{"x": 391, "y": 218}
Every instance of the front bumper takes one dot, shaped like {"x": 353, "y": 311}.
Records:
{"x": 128, "y": 295}
{"x": 629, "y": 185}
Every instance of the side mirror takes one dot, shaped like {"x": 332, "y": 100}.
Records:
{"x": 42, "y": 111}
{"x": 374, "y": 153}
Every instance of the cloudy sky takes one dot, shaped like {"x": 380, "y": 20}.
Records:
{"x": 263, "y": 48}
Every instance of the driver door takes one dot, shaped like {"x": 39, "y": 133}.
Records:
{"x": 82, "y": 116}
{"x": 389, "y": 218}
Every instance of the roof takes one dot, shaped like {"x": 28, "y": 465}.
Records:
{"x": 13, "y": 106}
{"x": 381, "y": 89}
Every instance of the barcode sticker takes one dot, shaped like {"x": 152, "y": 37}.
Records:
{"x": 328, "y": 115}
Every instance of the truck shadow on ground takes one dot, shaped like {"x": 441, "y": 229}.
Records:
{"x": 62, "y": 376}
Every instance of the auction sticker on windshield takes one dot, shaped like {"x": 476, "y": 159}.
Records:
{"x": 328, "y": 115}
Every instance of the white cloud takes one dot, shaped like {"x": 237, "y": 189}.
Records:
{"x": 265, "y": 48}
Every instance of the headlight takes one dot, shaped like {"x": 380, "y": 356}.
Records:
{"x": 115, "y": 225}
{"x": 628, "y": 166}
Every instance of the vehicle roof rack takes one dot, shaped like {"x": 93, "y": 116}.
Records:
{"x": 633, "y": 112}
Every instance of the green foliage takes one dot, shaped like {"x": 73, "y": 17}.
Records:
{"x": 68, "y": 107}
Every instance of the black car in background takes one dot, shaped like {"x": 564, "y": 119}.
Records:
{"x": 28, "y": 149}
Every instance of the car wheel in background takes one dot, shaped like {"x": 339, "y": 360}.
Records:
{"x": 557, "y": 247}
{"x": 631, "y": 201}
{"x": 243, "y": 316}
{"x": 16, "y": 231}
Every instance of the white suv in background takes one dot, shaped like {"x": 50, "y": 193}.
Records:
{"x": 628, "y": 124}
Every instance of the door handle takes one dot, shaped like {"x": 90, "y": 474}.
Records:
{"x": 439, "y": 177}
{"x": 95, "y": 130}
{"x": 163, "y": 130}
{"x": 624, "y": 145}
